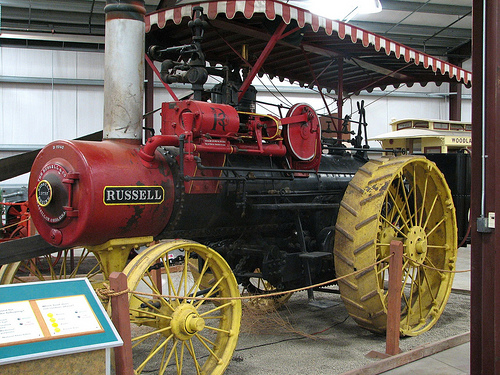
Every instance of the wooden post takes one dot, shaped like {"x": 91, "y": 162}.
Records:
{"x": 156, "y": 275}
{"x": 121, "y": 320}
{"x": 394, "y": 298}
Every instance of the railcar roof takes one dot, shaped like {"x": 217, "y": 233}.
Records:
{"x": 310, "y": 52}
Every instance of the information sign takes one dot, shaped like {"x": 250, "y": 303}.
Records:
{"x": 50, "y": 318}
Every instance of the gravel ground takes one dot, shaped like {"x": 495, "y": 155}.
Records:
{"x": 302, "y": 339}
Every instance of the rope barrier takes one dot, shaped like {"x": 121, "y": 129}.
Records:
{"x": 435, "y": 269}
{"x": 105, "y": 293}
{"x": 15, "y": 224}
{"x": 267, "y": 295}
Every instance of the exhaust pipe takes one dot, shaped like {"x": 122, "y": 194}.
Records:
{"x": 124, "y": 70}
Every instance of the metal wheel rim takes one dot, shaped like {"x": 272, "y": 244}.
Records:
{"x": 382, "y": 204}
{"x": 175, "y": 348}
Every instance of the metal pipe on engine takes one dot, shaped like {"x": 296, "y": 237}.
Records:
{"x": 124, "y": 70}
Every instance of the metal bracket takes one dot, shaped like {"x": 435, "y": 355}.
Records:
{"x": 486, "y": 224}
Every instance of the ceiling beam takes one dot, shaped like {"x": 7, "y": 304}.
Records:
{"x": 415, "y": 30}
{"x": 422, "y": 7}
{"x": 74, "y": 6}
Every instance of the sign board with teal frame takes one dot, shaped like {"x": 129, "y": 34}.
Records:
{"x": 51, "y": 318}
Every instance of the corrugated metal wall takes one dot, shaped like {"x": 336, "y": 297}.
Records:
{"x": 54, "y": 94}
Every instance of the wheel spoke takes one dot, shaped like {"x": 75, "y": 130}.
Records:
{"x": 424, "y": 197}
{"x": 149, "y": 334}
{"x": 420, "y": 298}
{"x": 218, "y": 329}
{"x": 426, "y": 278}
{"x": 196, "y": 287}
{"x": 200, "y": 337}
{"x": 193, "y": 355}
{"x": 151, "y": 283}
{"x": 167, "y": 361}
{"x": 171, "y": 288}
{"x": 429, "y": 214}
{"x": 401, "y": 216}
{"x": 436, "y": 226}
{"x": 406, "y": 275}
{"x": 208, "y": 348}
{"x": 211, "y": 292}
{"x": 444, "y": 247}
{"x": 203, "y": 315}
{"x": 415, "y": 194}
{"x": 394, "y": 227}
{"x": 150, "y": 313}
{"x": 405, "y": 196}
{"x": 184, "y": 276}
{"x": 148, "y": 303}
{"x": 163, "y": 367}
{"x": 410, "y": 304}
{"x": 180, "y": 359}
{"x": 153, "y": 353}
{"x": 436, "y": 269}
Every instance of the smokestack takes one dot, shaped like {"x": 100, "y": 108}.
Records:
{"x": 124, "y": 69}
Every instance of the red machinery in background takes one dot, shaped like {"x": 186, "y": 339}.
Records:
{"x": 17, "y": 223}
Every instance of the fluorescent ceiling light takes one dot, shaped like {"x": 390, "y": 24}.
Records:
{"x": 343, "y": 10}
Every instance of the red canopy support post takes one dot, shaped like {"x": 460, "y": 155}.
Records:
{"x": 149, "y": 101}
{"x": 169, "y": 89}
{"x": 455, "y": 96}
{"x": 485, "y": 195}
{"x": 121, "y": 320}
{"x": 394, "y": 298}
{"x": 260, "y": 61}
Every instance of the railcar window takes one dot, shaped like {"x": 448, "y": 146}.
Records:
{"x": 441, "y": 125}
{"x": 404, "y": 125}
{"x": 421, "y": 124}
{"x": 456, "y": 127}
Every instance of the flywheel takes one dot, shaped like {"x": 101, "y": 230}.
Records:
{"x": 402, "y": 198}
{"x": 176, "y": 334}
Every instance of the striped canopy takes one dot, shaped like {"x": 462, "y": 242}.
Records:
{"x": 310, "y": 50}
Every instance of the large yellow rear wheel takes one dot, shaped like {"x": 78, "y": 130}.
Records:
{"x": 404, "y": 198}
{"x": 182, "y": 336}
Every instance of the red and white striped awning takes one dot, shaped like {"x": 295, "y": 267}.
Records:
{"x": 327, "y": 31}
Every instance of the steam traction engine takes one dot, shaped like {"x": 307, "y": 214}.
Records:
{"x": 269, "y": 205}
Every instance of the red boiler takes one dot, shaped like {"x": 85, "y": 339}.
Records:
{"x": 77, "y": 198}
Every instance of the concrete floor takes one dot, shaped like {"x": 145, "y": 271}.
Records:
{"x": 301, "y": 339}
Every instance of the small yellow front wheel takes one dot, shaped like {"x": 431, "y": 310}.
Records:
{"x": 176, "y": 335}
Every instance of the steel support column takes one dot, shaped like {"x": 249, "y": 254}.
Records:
{"x": 455, "y": 108}
{"x": 340, "y": 98}
{"x": 485, "y": 252}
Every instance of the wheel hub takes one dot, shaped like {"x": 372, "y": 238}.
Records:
{"x": 186, "y": 321}
{"x": 416, "y": 245}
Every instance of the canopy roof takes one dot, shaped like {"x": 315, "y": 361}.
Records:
{"x": 419, "y": 133}
{"x": 310, "y": 51}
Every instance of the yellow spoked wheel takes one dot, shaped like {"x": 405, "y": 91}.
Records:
{"x": 182, "y": 336}
{"x": 260, "y": 286}
{"x": 65, "y": 264}
{"x": 404, "y": 198}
